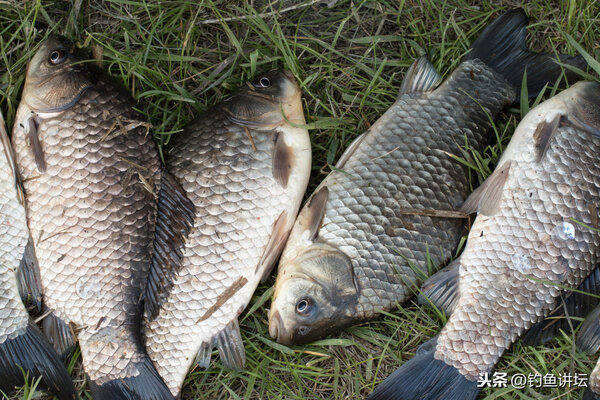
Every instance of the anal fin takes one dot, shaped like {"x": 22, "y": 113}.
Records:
{"x": 231, "y": 347}
{"x": 441, "y": 289}
{"x": 576, "y": 304}
{"x": 59, "y": 334}
{"x": 588, "y": 339}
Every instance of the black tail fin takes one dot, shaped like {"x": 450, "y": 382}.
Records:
{"x": 502, "y": 46}
{"x": 145, "y": 385}
{"x": 31, "y": 353}
{"x": 589, "y": 395}
{"x": 425, "y": 378}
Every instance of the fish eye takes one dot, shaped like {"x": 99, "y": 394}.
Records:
{"x": 56, "y": 57}
{"x": 263, "y": 82}
{"x": 302, "y": 306}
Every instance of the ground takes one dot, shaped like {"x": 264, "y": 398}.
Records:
{"x": 179, "y": 57}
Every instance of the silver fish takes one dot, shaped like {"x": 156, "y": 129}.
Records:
{"x": 363, "y": 240}
{"x": 23, "y": 348}
{"x": 244, "y": 164}
{"x": 530, "y": 239}
{"x": 91, "y": 175}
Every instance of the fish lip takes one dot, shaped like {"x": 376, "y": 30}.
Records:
{"x": 277, "y": 331}
{"x": 289, "y": 75}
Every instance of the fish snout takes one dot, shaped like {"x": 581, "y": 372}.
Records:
{"x": 277, "y": 330}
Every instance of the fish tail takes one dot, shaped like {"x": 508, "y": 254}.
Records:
{"x": 118, "y": 367}
{"x": 30, "y": 353}
{"x": 145, "y": 384}
{"x": 589, "y": 395}
{"x": 502, "y": 46}
{"x": 425, "y": 378}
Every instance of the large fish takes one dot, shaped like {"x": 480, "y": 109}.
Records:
{"x": 245, "y": 165}
{"x": 91, "y": 174}
{"x": 23, "y": 348}
{"x": 360, "y": 241}
{"x": 533, "y": 236}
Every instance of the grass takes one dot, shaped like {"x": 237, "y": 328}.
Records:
{"x": 178, "y": 57}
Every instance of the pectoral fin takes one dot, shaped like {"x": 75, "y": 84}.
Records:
{"x": 282, "y": 161}
{"x": 35, "y": 145}
{"x": 486, "y": 198}
{"x": 542, "y": 135}
{"x": 314, "y": 212}
{"x": 441, "y": 289}
{"x": 279, "y": 235}
{"x": 28, "y": 277}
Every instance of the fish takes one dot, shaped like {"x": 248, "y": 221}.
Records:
{"x": 91, "y": 173}
{"x": 532, "y": 237}
{"x": 244, "y": 164}
{"x": 363, "y": 242}
{"x": 23, "y": 347}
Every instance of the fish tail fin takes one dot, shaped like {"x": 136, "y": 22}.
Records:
{"x": 118, "y": 367}
{"x": 589, "y": 395}
{"x": 425, "y": 378}
{"x": 145, "y": 384}
{"x": 30, "y": 353}
{"x": 502, "y": 46}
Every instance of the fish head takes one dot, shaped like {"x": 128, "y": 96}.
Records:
{"x": 315, "y": 294}
{"x": 583, "y": 105}
{"x": 267, "y": 101}
{"x": 56, "y": 77}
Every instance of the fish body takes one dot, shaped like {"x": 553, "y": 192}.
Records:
{"x": 364, "y": 239}
{"x": 91, "y": 174}
{"x": 526, "y": 244}
{"x": 244, "y": 164}
{"x": 22, "y": 345}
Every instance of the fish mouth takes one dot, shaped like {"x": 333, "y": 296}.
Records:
{"x": 277, "y": 330}
{"x": 289, "y": 75}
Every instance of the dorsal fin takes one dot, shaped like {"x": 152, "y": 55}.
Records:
{"x": 421, "y": 77}
{"x": 486, "y": 198}
{"x": 175, "y": 218}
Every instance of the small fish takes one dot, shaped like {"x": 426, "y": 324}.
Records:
{"x": 362, "y": 242}
{"x": 91, "y": 174}
{"x": 531, "y": 238}
{"x": 244, "y": 164}
{"x": 23, "y": 348}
